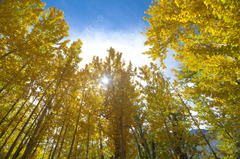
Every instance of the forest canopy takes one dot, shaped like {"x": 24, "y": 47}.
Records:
{"x": 50, "y": 107}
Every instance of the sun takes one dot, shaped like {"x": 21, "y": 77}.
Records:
{"x": 105, "y": 80}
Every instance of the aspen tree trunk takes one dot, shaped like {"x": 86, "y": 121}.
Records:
{"x": 193, "y": 119}
{"x": 12, "y": 107}
{"x": 20, "y": 147}
{"x": 47, "y": 119}
{"x": 20, "y": 133}
{"x": 117, "y": 149}
{"x": 137, "y": 143}
{"x": 195, "y": 122}
{"x": 26, "y": 123}
{"x": 14, "y": 117}
{"x": 101, "y": 145}
{"x": 177, "y": 136}
{"x": 42, "y": 128}
{"x": 51, "y": 149}
{"x": 60, "y": 149}
{"x": 221, "y": 124}
{"x": 88, "y": 135}
{"x": 46, "y": 147}
{"x": 59, "y": 136}
{"x": 25, "y": 139}
{"x": 76, "y": 147}
{"x": 144, "y": 142}
{"x": 122, "y": 138}
{"x": 35, "y": 150}
{"x": 77, "y": 123}
{"x": 165, "y": 124}
{"x": 153, "y": 150}
{"x": 9, "y": 52}
{"x": 168, "y": 133}
{"x": 14, "y": 129}
{"x": 32, "y": 142}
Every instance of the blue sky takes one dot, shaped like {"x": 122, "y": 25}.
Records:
{"x": 117, "y": 14}
{"x": 102, "y": 24}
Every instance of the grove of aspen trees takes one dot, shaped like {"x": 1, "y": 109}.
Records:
{"x": 51, "y": 108}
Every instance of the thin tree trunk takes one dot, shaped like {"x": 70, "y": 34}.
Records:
{"x": 76, "y": 147}
{"x": 60, "y": 149}
{"x": 9, "y": 52}
{"x": 177, "y": 136}
{"x": 32, "y": 142}
{"x": 6, "y": 140}
{"x": 59, "y": 136}
{"x": 122, "y": 138}
{"x": 153, "y": 150}
{"x": 24, "y": 141}
{"x": 12, "y": 107}
{"x": 51, "y": 150}
{"x": 26, "y": 123}
{"x": 77, "y": 123}
{"x": 101, "y": 145}
{"x": 20, "y": 133}
{"x": 15, "y": 126}
{"x": 195, "y": 122}
{"x": 14, "y": 117}
{"x": 137, "y": 143}
{"x": 144, "y": 143}
{"x": 221, "y": 124}
{"x": 20, "y": 147}
{"x": 35, "y": 150}
{"x": 46, "y": 147}
{"x": 168, "y": 133}
{"x": 88, "y": 135}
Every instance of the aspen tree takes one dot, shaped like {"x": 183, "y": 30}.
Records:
{"x": 205, "y": 37}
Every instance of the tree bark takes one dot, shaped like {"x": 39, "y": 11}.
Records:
{"x": 153, "y": 150}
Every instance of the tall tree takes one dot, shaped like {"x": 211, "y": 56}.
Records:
{"x": 205, "y": 36}
{"x": 119, "y": 105}
{"x": 167, "y": 118}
